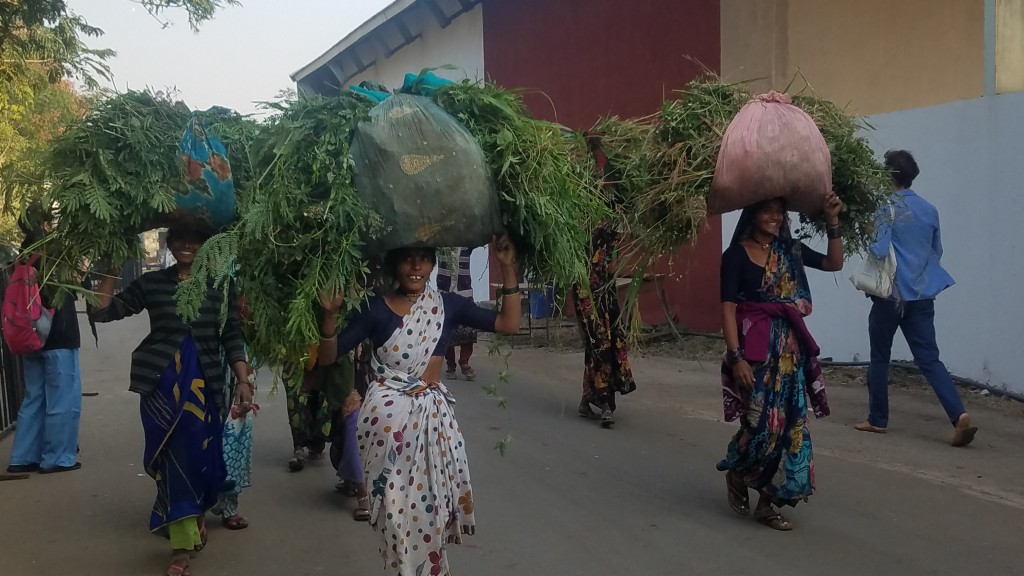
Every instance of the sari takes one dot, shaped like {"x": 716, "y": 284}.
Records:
{"x": 413, "y": 451}
{"x": 606, "y": 367}
{"x": 772, "y": 451}
{"x": 184, "y": 450}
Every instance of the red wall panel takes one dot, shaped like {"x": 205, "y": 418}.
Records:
{"x": 594, "y": 58}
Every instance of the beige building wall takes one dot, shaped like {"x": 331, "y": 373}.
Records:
{"x": 1009, "y": 46}
{"x": 874, "y": 55}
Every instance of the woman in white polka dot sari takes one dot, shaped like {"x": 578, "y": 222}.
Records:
{"x": 412, "y": 448}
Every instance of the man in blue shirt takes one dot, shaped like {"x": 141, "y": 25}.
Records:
{"x": 913, "y": 229}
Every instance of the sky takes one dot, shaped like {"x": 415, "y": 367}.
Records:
{"x": 243, "y": 56}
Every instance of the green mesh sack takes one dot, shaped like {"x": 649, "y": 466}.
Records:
{"x": 425, "y": 175}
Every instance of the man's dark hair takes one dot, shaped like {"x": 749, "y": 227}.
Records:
{"x": 902, "y": 166}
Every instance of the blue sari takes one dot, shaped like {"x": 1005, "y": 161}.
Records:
{"x": 184, "y": 448}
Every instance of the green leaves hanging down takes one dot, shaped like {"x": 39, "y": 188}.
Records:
{"x": 213, "y": 269}
{"x": 302, "y": 226}
{"x": 662, "y": 167}
{"x": 546, "y": 180}
{"x": 860, "y": 181}
{"x": 111, "y": 174}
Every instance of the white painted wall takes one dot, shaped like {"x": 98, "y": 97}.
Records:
{"x": 969, "y": 155}
{"x": 461, "y": 44}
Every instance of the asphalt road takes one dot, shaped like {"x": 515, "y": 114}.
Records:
{"x": 568, "y": 498}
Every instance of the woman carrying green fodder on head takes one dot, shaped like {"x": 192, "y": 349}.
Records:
{"x": 178, "y": 371}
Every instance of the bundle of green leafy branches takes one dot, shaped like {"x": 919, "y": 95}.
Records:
{"x": 662, "y": 166}
{"x": 548, "y": 189}
{"x": 111, "y": 174}
{"x": 216, "y": 264}
{"x": 302, "y": 227}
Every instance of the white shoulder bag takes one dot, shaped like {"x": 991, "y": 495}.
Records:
{"x": 877, "y": 275}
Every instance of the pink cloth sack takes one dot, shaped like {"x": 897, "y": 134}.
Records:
{"x": 771, "y": 149}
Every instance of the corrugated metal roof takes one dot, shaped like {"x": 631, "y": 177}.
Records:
{"x": 396, "y": 26}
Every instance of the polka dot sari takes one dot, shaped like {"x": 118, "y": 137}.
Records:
{"x": 413, "y": 450}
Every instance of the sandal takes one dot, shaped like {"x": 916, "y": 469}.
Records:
{"x": 585, "y": 411}
{"x": 607, "y": 418}
{"x": 345, "y": 488}
{"x": 739, "y": 497}
{"x": 235, "y": 522}
{"x": 362, "y": 511}
{"x": 468, "y": 372}
{"x": 179, "y": 566}
{"x": 298, "y": 461}
{"x": 774, "y": 520}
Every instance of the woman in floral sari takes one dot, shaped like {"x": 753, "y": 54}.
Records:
{"x": 771, "y": 367}
{"x": 412, "y": 448}
{"x": 606, "y": 357}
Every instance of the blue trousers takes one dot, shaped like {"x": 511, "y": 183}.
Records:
{"x": 917, "y": 321}
{"x": 47, "y": 432}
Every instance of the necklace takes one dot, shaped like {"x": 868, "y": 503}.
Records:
{"x": 410, "y": 296}
{"x": 764, "y": 246}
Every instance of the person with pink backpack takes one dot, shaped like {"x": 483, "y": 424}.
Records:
{"x": 46, "y": 437}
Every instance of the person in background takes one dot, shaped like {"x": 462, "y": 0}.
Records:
{"x": 606, "y": 367}
{"x": 465, "y": 336}
{"x": 913, "y": 229}
{"x": 354, "y": 376}
{"x": 771, "y": 362}
{"x": 46, "y": 439}
{"x": 309, "y": 418}
{"x": 178, "y": 370}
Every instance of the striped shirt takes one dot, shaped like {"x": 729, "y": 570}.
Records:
{"x": 154, "y": 292}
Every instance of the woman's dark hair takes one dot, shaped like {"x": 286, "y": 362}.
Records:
{"x": 745, "y": 226}
{"x": 175, "y": 234}
{"x": 393, "y": 257}
{"x": 902, "y": 166}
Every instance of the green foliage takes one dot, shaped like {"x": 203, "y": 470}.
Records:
{"x": 549, "y": 195}
{"x": 112, "y": 173}
{"x": 662, "y": 167}
{"x": 302, "y": 229}
{"x": 198, "y": 11}
{"x": 860, "y": 181}
{"x": 214, "y": 268}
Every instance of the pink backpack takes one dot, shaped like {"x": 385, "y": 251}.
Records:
{"x": 26, "y": 322}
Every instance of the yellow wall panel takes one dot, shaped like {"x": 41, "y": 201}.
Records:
{"x": 875, "y": 55}
{"x": 1009, "y": 46}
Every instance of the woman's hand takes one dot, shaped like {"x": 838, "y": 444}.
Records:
{"x": 243, "y": 397}
{"x": 503, "y": 250}
{"x": 833, "y": 206}
{"x": 331, "y": 302}
{"x": 743, "y": 375}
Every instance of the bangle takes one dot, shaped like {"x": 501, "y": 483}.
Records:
{"x": 834, "y": 232}
{"x": 503, "y": 291}
{"x": 327, "y": 338}
{"x": 733, "y": 356}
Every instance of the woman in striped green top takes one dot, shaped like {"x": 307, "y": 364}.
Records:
{"x": 178, "y": 371}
